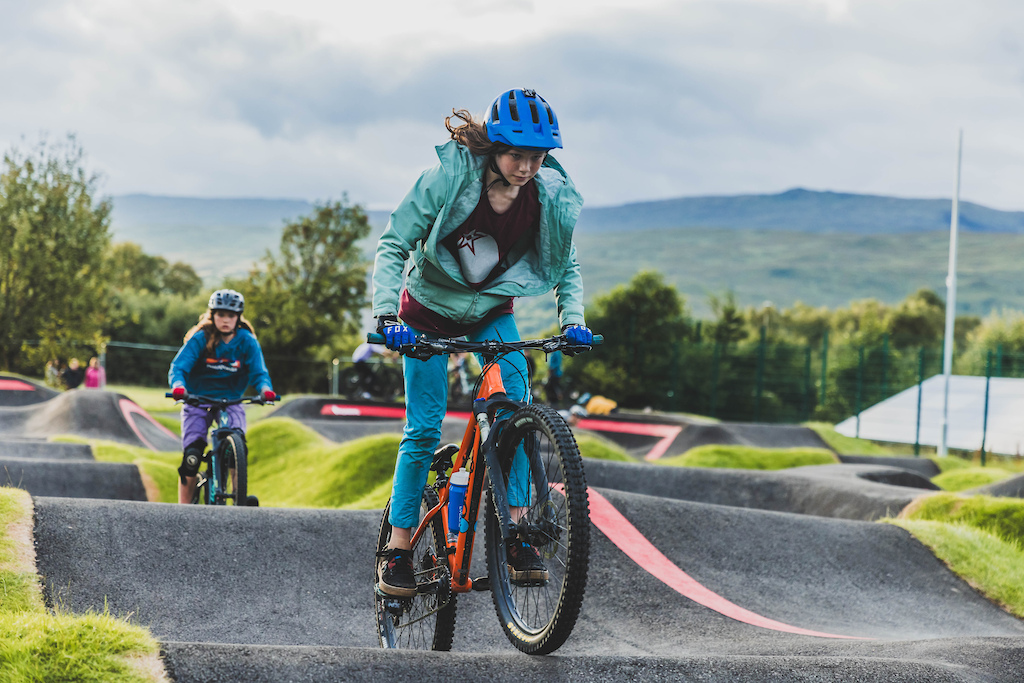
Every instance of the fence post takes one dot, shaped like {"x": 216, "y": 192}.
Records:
{"x": 984, "y": 422}
{"x": 885, "y": 367}
{"x": 920, "y": 388}
{"x": 824, "y": 366}
{"x": 334, "y": 377}
{"x": 860, "y": 385}
{"x": 999, "y": 360}
{"x": 805, "y": 408}
{"x": 674, "y": 378}
{"x": 697, "y": 331}
{"x": 714, "y": 377}
{"x": 760, "y": 375}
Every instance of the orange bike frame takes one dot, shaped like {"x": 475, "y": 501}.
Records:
{"x": 469, "y": 456}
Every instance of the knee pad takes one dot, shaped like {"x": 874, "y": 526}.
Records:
{"x": 191, "y": 459}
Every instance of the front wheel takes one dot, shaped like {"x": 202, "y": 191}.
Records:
{"x": 234, "y": 455}
{"x": 426, "y": 621}
{"x": 543, "y": 474}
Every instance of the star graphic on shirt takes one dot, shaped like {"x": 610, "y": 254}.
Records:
{"x": 468, "y": 240}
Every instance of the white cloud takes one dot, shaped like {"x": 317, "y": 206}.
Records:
{"x": 656, "y": 98}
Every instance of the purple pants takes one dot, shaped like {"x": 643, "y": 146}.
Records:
{"x": 195, "y": 422}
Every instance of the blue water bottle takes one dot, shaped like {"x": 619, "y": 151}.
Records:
{"x": 457, "y": 486}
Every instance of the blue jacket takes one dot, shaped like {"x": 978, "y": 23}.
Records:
{"x": 226, "y": 374}
{"x": 440, "y": 201}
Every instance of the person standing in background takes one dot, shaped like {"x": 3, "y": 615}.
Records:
{"x": 73, "y": 374}
{"x": 95, "y": 375}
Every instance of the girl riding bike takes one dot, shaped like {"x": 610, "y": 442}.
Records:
{"x": 491, "y": 222}
{"x": 220, "y": 358}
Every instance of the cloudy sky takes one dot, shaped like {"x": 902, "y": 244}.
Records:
{"x": 656, "y": 98}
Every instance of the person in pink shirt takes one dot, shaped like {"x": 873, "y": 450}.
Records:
{"x": 95, "y": 375}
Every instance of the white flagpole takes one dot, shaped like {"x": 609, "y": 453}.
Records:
{"x": 947, "y": 347}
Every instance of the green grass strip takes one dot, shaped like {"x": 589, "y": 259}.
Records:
{"x": 290, "y": 465}
{"x": 19, "y": 586}
{"x": 847, "y": 445}
{"x": 37, "y": 645}
{"x": 987, "y": 562}
{"x": 600, "y": 448}
{"x": 750, "y": 458}
{"x": 969, "y": 478}
{"x": 1003, "y": 517}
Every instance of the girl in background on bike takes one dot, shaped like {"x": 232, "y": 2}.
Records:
{"x": 493, "y": 220}
{"x": 220, "y": 357}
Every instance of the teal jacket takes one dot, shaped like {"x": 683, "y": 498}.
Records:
{"x": 440, "y": 201}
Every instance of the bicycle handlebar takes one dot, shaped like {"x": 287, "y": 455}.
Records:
{"x": 425, "y": 347}
{"x": 197, "y": 400}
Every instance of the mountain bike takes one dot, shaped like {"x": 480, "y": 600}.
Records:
{"x": 518, "y": 444}
{"x": 377, "y": 380}
{"x": 226, "y": 475}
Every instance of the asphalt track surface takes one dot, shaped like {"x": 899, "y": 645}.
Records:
{"x": 714, "y": 577}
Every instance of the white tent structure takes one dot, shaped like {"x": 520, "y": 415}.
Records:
{"x": 895, "y": 419}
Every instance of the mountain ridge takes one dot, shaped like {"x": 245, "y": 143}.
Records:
{"x": 797, "y": 209}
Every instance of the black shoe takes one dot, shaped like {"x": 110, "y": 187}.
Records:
{"x": 395, "y": 574}
{"x": 252, "y": 501}
{"x": 524, "y": 563}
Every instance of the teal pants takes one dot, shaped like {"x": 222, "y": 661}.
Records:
{"x": 426, "y": 401}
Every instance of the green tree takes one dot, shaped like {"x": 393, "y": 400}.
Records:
{"x": 312, "y": 290}
{"x": 53, "y": 235}
{"x": 728, "y": 326}
{"x": 643, "y": 323}
{"x": 130, "y": 268}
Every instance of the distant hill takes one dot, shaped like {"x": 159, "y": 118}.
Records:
{"x": 801, "y": 210}
{"x": 822, "y": 248}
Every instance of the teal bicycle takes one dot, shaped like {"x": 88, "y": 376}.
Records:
{"x": 226, "y": 475}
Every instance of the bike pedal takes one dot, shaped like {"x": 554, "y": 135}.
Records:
{"x": 482, "y": 584}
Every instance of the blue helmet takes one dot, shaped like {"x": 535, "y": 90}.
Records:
{"x": 522, "y": 118}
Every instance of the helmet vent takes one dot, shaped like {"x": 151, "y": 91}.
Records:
{"x": 494, "y": 113}
{"x": 533, "y": 112}
{"x": 551, "y": 115}
{"x": 513, "y": 106}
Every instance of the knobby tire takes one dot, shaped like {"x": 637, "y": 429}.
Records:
{"x": 234, "y": 445}
{"x": 537, "y": 619}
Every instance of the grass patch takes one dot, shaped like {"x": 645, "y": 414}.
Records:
{"x": 987, "y": 562}
{"x": 750, "y": 458}
{"x": 599, "y": 448}
{"x": 847, "y": 445}
{"x": 964, "y": 478}
{"x": 290, "y": 465}
{"x": 1003, "y": 517}
{"x": 36, "y": 645}
{"x": 949, "y": 463}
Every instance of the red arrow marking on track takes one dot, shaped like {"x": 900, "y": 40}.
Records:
{"x": 629, "y": 540}
{"x": 14, "y": 385}
{"x": 667, "y": 432}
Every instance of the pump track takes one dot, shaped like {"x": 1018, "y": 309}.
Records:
{"x": 695, "y": 575}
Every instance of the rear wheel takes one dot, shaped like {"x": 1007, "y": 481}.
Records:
{"x": 538, "y": 616}
{"x": 426, "y": 621}
{"x": 234, "y": 453}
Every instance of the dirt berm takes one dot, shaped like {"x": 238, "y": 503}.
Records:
{"x": 21, "y": 391}
{"x": 89, "y": 413}
{"x": 285, "y": 595}
{"x": 73, "y": 478}
{"x": 37, "y": 448}
{"x": 864, "y": 492}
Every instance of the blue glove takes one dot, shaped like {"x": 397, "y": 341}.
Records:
{"x": 579, "y": 335}
{"x": 395, "y": 333}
